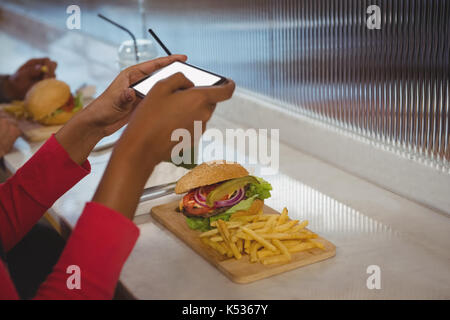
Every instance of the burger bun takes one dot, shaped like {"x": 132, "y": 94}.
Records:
{"x": 45, "y": 97}
{"x": 210, "y": 173}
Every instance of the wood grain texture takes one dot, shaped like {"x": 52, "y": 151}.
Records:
{"x": 239, "y": 271}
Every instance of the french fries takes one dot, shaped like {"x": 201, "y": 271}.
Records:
{"x": 280, "y": 246}
{"x": 247, "y": 246}
{"x": 240, "y": 245}
{"x": 265, "y": 238}
{"x": 253, "y": 250}
{"x": 285, "y": 236}
{"x": 283, "y": 217}
{"x": 17, "y": 109}
{"x": 259, "y": 239}
{"x": 230, "y": 225}
{"x": 215, "y": 246}
{"x": 223, "y": 230}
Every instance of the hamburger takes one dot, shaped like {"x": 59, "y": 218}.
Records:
{"x": 217, "y": 189}
{"x": 50, "y": 102}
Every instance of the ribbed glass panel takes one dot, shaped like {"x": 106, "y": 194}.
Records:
{"x": 315, "y": 57}
{"x": 318, "y": 58}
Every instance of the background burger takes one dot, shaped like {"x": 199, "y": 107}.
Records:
{"x": 216, "y": 190}
{"x": 50, "y": 102}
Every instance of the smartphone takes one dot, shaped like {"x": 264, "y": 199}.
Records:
{"x": 199, "y": 77}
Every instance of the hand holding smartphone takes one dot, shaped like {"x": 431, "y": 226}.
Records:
{"x": 199, "y": 77}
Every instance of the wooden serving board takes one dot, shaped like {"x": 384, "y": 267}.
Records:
{"x": 239, "y": 271}
{"x": 32, "y": 131}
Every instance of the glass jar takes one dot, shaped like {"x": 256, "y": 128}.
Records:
{"x": 147, "y": 50}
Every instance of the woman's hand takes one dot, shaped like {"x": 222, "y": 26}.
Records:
{"x": 109, "y": 112}
{"x": 27, "y": 75}
{"x": 113, "y": 108}
{"x": 171, "y": 104}
{"x": 9, "y": 132}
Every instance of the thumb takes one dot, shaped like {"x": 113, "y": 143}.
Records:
{"x": 126, "y": 99}
{"x": 177, "y": 81}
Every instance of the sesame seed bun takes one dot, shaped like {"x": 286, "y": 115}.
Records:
{"x": 45, "y": 97}
{"x": 209, "y": 173}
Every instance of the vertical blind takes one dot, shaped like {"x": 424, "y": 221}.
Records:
{"x": 320, "y": 59}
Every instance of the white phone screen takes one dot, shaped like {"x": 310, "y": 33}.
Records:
{"x": 198, "y": 77}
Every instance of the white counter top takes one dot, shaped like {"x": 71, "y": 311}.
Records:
{"x": 371, "y": 226}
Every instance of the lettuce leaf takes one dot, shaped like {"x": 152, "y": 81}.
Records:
{"x": 241, "y": 206}
{"x": 56, "y": 112}
{"x": 78, "y": 103}
{"x": 261, "y": 189}
{"x": 198, "y": 223}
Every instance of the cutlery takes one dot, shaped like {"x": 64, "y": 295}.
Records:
{"x": 158, "y": 191}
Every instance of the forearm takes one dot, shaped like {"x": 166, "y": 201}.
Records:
{"x": 123, "y": 181}
{"x": 79, "y": 136}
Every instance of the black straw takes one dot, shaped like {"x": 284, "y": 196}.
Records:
{"x": 159, "y": 42}
{"x": 124, "y": 29}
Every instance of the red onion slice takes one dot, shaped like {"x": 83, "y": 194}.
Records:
{"x": 200, "y": 194}
{"x": 198, "y": 200}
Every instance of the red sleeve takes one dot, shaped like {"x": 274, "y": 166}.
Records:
{"x": 98, "y": 247}
{"x": 34, "y": 188}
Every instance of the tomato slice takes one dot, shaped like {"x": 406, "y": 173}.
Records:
{"x": 69, "y": 104}
{"x": 192, "y": 207}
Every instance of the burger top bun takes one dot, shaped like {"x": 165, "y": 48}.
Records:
{"x": 209, "y": 173}
{"x": 45, "y": 97}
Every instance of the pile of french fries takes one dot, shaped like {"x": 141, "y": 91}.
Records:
{"x": 267, "y": 238}
{"x": 17, "y": 109}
